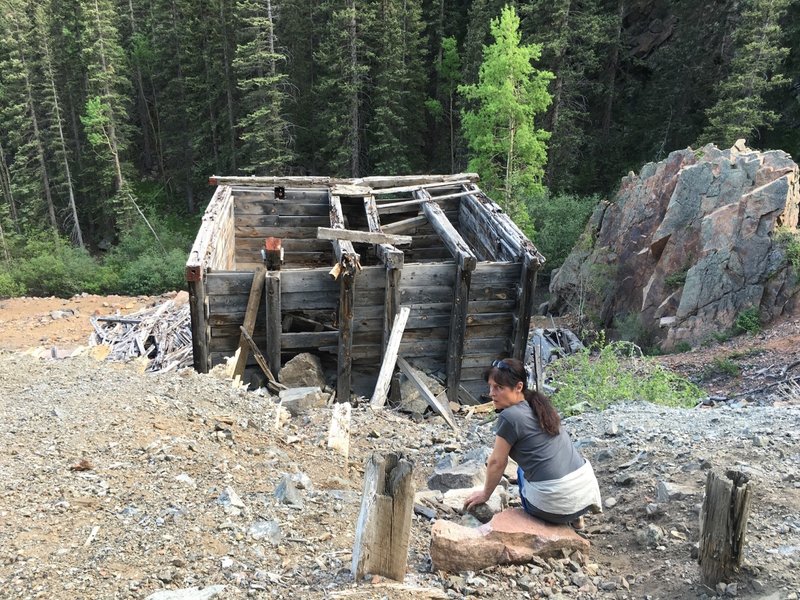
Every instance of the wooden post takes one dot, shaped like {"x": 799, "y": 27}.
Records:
{"x": 339, "y": 429}
{"x": 273, "y": 283}
{"x": 198, "y": 309}
{"x": 458, "y": 327}
{"x": 345, "y": 357}
{"x": 537, "y": 367}
{"x": 723, "y": 522}
{"x": 384, "y": 522}
{"x": 391, "y": 300}
{"x": 522, "y": 321}
{"x": 273, "y": 253}
{"x": 250, "y": 314}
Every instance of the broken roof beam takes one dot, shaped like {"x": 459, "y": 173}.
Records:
{"x": 389, "y": 255}
{"x": 343, "y": 249}
{"x": 365, "y": 237}
{"x": 453, "y": 241}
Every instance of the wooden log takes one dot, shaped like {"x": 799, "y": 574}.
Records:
{"x": 273, "y": 314}
{"x": 389, "y": 255}
{"x": 366, "y": 237}
{"x": 391, "y": 302}
{"x": 339, "y": 429}
{"x": 250, "y": 314}
{"x": 343, "y": 249}
{"x": 315, "y": 181}
{"x": 384, "y": 521}
{"x": 458, "y": 248}
{"x": 389, "y": 359}
{"x": 537, "y": 367}
{"x": 441, "y": 408}
{"x": 723, "y": 523}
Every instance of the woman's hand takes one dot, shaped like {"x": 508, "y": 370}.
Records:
{"x": 475, "y": 498}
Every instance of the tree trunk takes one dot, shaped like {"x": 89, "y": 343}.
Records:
{"x": 355, "y": 149}
{"x": 141, "y": 104}
{"x": 228, "y": 85}
{"x": 558, "y": 89}
{"x": 5, "y": 188}
{"x": 611, "y": 74}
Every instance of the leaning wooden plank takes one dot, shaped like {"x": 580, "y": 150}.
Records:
{"x": 440, "y": 407}
{"x": 273, "y": 383}
{"x": 389, "y": 359}
{"x": 384, "y": 520}
{"x": 250, "y": 315}
{"x": 339, "y": 430}
{"x": 451, "y": 238}
{"x": 367, "y": 237}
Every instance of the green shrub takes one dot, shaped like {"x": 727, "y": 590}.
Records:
{"x": 594, "y": 382}
{"x": 748, "y": 321}
{"x": 682, "y": 346}
{"x": 676, "y": 280}
{"x": 722, "y": 366}
{"x": 558, "y": 223}
{"x": 52, "y": 267}
{"x": 9, "y": 287}
{"x": 790, "y": 240}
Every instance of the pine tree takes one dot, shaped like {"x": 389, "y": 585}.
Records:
{"x": 443, "y": 107}
{"x": 29, "y": 173}
{"x": 508, "y": 150}
{"x": 343, "y": 57}
{"x": 396, "y": 115}
{"x": 755, "y": 70}
{"x": 105, "y": 117}
{"x": 263, "y": 128}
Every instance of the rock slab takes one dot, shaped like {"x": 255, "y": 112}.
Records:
{"x": 511, "y": 537}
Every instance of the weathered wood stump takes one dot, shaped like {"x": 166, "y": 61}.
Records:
{"x": 723, "y": 522}
{"x": 384, "y": 523}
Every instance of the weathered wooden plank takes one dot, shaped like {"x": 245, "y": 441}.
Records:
{"x": 364, "y": 237}
{"x": 441, "y": 408}
{"x": 251, "y": 225}
{"x": 250, "y": 314}
{"x": 339, "y": 429}
{"x": 217, "y": 213}
{"x": 290, "y": 233}
{"x": 418, "y": 295}
{"x": 255, "y": 207}
{"x": 487, "y": 331}
{"x": 384, "y": 521}
{"x": 391, "y": 301}
{"x": 412, "y": 224}
{"x": 376, "y": 181}
{"x": 389, "y": 358}
{"x": 494, "y": 274}
{"x": 343, "y": 249}
{"x": 308, "y": 281}
{"x": 315, "y": 339}
{"x": 289, "y": 245}
{"x": 509, "y": 292}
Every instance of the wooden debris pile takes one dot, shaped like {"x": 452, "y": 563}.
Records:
{"x": 162, "y": 334}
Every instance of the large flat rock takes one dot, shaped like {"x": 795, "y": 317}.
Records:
{"x": 511, "y": 537}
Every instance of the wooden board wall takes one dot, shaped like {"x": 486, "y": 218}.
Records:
{"x": 294, "y": 219}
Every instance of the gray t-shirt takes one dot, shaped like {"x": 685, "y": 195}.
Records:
{"x": 541, "y": 456}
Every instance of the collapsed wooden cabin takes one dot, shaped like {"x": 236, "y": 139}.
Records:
{"x": 343, "y": 255}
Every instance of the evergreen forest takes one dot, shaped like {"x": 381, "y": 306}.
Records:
{"x": 114, "y": 113}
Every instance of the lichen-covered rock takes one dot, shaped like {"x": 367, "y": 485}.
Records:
{"x": 688, "y": 245}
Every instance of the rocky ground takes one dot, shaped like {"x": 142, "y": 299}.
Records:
{"x": 117, "y": 484}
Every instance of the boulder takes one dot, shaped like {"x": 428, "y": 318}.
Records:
{"x": 497, "y": 502}
{"x": 304, "y": 370}
{"x": 464, "y": 475}
{"x": 410, "y": 399}
{"x": 687, "y": 246}
{"x": 511, "y": 537}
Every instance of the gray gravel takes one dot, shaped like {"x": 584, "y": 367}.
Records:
{"x": 118, "y": 484}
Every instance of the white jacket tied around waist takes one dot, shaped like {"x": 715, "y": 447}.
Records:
{"x": 573, "y": 492}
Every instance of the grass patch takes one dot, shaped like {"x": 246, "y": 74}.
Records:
{"x": 617, "y": 373}
{"x": 722, "y": 366}
{"x": 748, "y": 321}
{"x": 790, "y": 240}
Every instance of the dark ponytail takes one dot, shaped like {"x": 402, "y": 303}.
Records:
{"x": 510, "y": 371}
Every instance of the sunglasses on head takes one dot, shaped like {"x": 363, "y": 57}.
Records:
{"x": 502, "y": 365}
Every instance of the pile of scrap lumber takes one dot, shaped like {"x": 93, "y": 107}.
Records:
{"x": 162, "y": 334}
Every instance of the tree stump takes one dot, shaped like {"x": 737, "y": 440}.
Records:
{"x": 723, "y": 521}
{"x": 384, "y": 522}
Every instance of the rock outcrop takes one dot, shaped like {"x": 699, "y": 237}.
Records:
{"x": 688, "y": 245}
